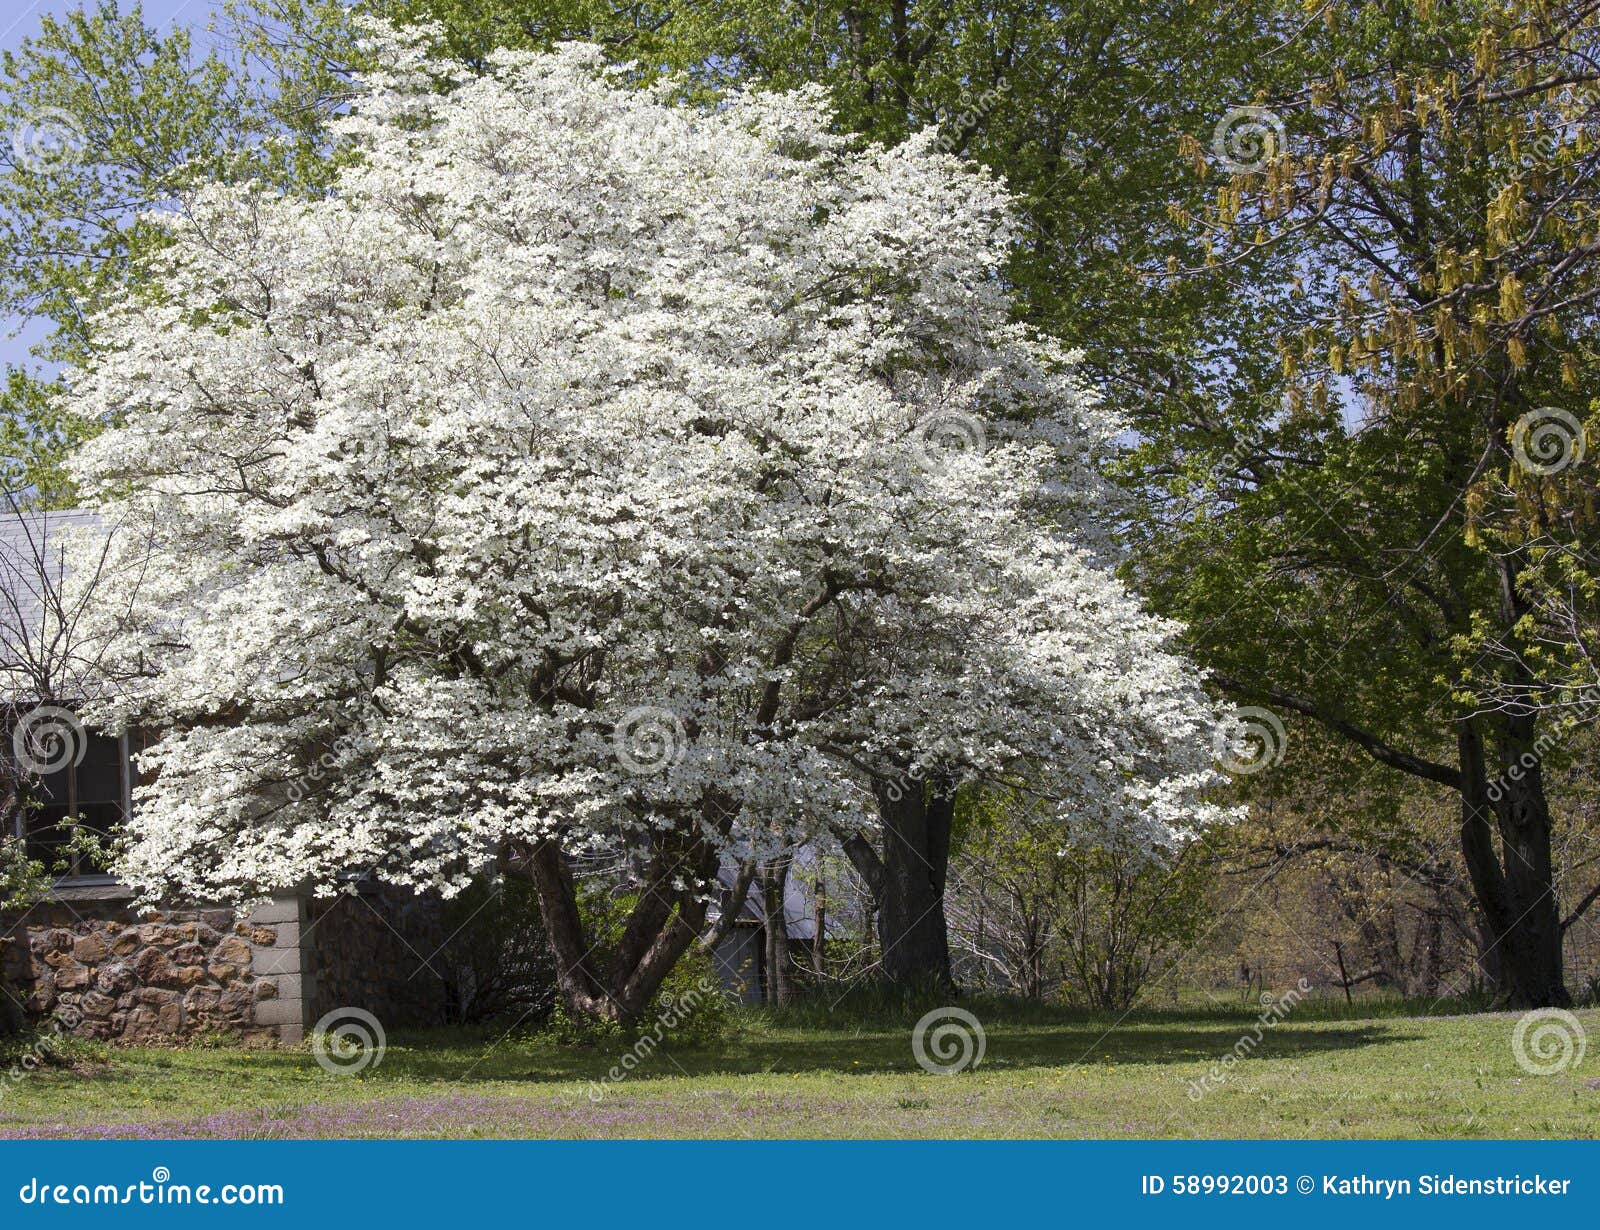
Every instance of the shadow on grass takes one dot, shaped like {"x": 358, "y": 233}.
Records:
{"x": 864, "y": 1036}
{"x": 867, "y": 1054}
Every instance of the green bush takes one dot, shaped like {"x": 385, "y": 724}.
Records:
{"x": 691, "y": 1007}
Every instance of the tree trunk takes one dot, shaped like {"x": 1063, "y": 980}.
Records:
{"x": 1431, "y": 956}
{"x": 728, "y": 911}
{"x": 1490, "y": 966}
{"x": 774, "y": 884}
{"x": 670, "y": 916}
{"x": 819, "y": 939}
{"x": 916, "y": 858}
{"x": 1524, "y": 817}
{"x": 1517, "y": 896}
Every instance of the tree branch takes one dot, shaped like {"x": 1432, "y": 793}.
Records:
{"x": 1375, "y": 747}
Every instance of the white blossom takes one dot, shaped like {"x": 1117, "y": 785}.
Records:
{"x": 570, "y": 403}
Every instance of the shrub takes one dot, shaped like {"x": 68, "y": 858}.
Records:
{"x": 497, "y": 961}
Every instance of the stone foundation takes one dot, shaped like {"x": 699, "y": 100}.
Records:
{"x": 99, "y": 970}
{"x": 102, "y": 972}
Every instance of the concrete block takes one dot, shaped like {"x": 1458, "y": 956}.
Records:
{"x": 278, "y": 910}
{"x": 268, "y": 961}
{"x": 291, "y": 986}
{"x": 280, "y": 1012}
{"x": 288, "y": 934}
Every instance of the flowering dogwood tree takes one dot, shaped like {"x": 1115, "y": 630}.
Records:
{"x": 589, "y": 471}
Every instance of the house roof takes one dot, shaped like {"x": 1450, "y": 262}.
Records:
{"x": 798, "y": 912}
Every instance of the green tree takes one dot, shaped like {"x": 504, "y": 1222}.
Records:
{"x": 25, "y": 881}
{"x": 1080, "y": 108}
{"x": 1090, "y": 917}
{"x": 1352, "y": 542}
{"x": 106, "y": 116}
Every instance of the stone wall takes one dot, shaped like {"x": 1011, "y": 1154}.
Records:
{"x": 101, "y": 971}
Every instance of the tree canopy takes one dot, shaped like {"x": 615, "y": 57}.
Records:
{"x": 594, "y": 468}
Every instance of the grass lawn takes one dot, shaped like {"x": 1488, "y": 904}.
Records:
{"x": 1326, "y": 1071}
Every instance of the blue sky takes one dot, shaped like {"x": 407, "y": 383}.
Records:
{"x": 23, "y": 23}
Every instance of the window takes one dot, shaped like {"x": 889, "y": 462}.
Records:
{"x": 97, "y": 790}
